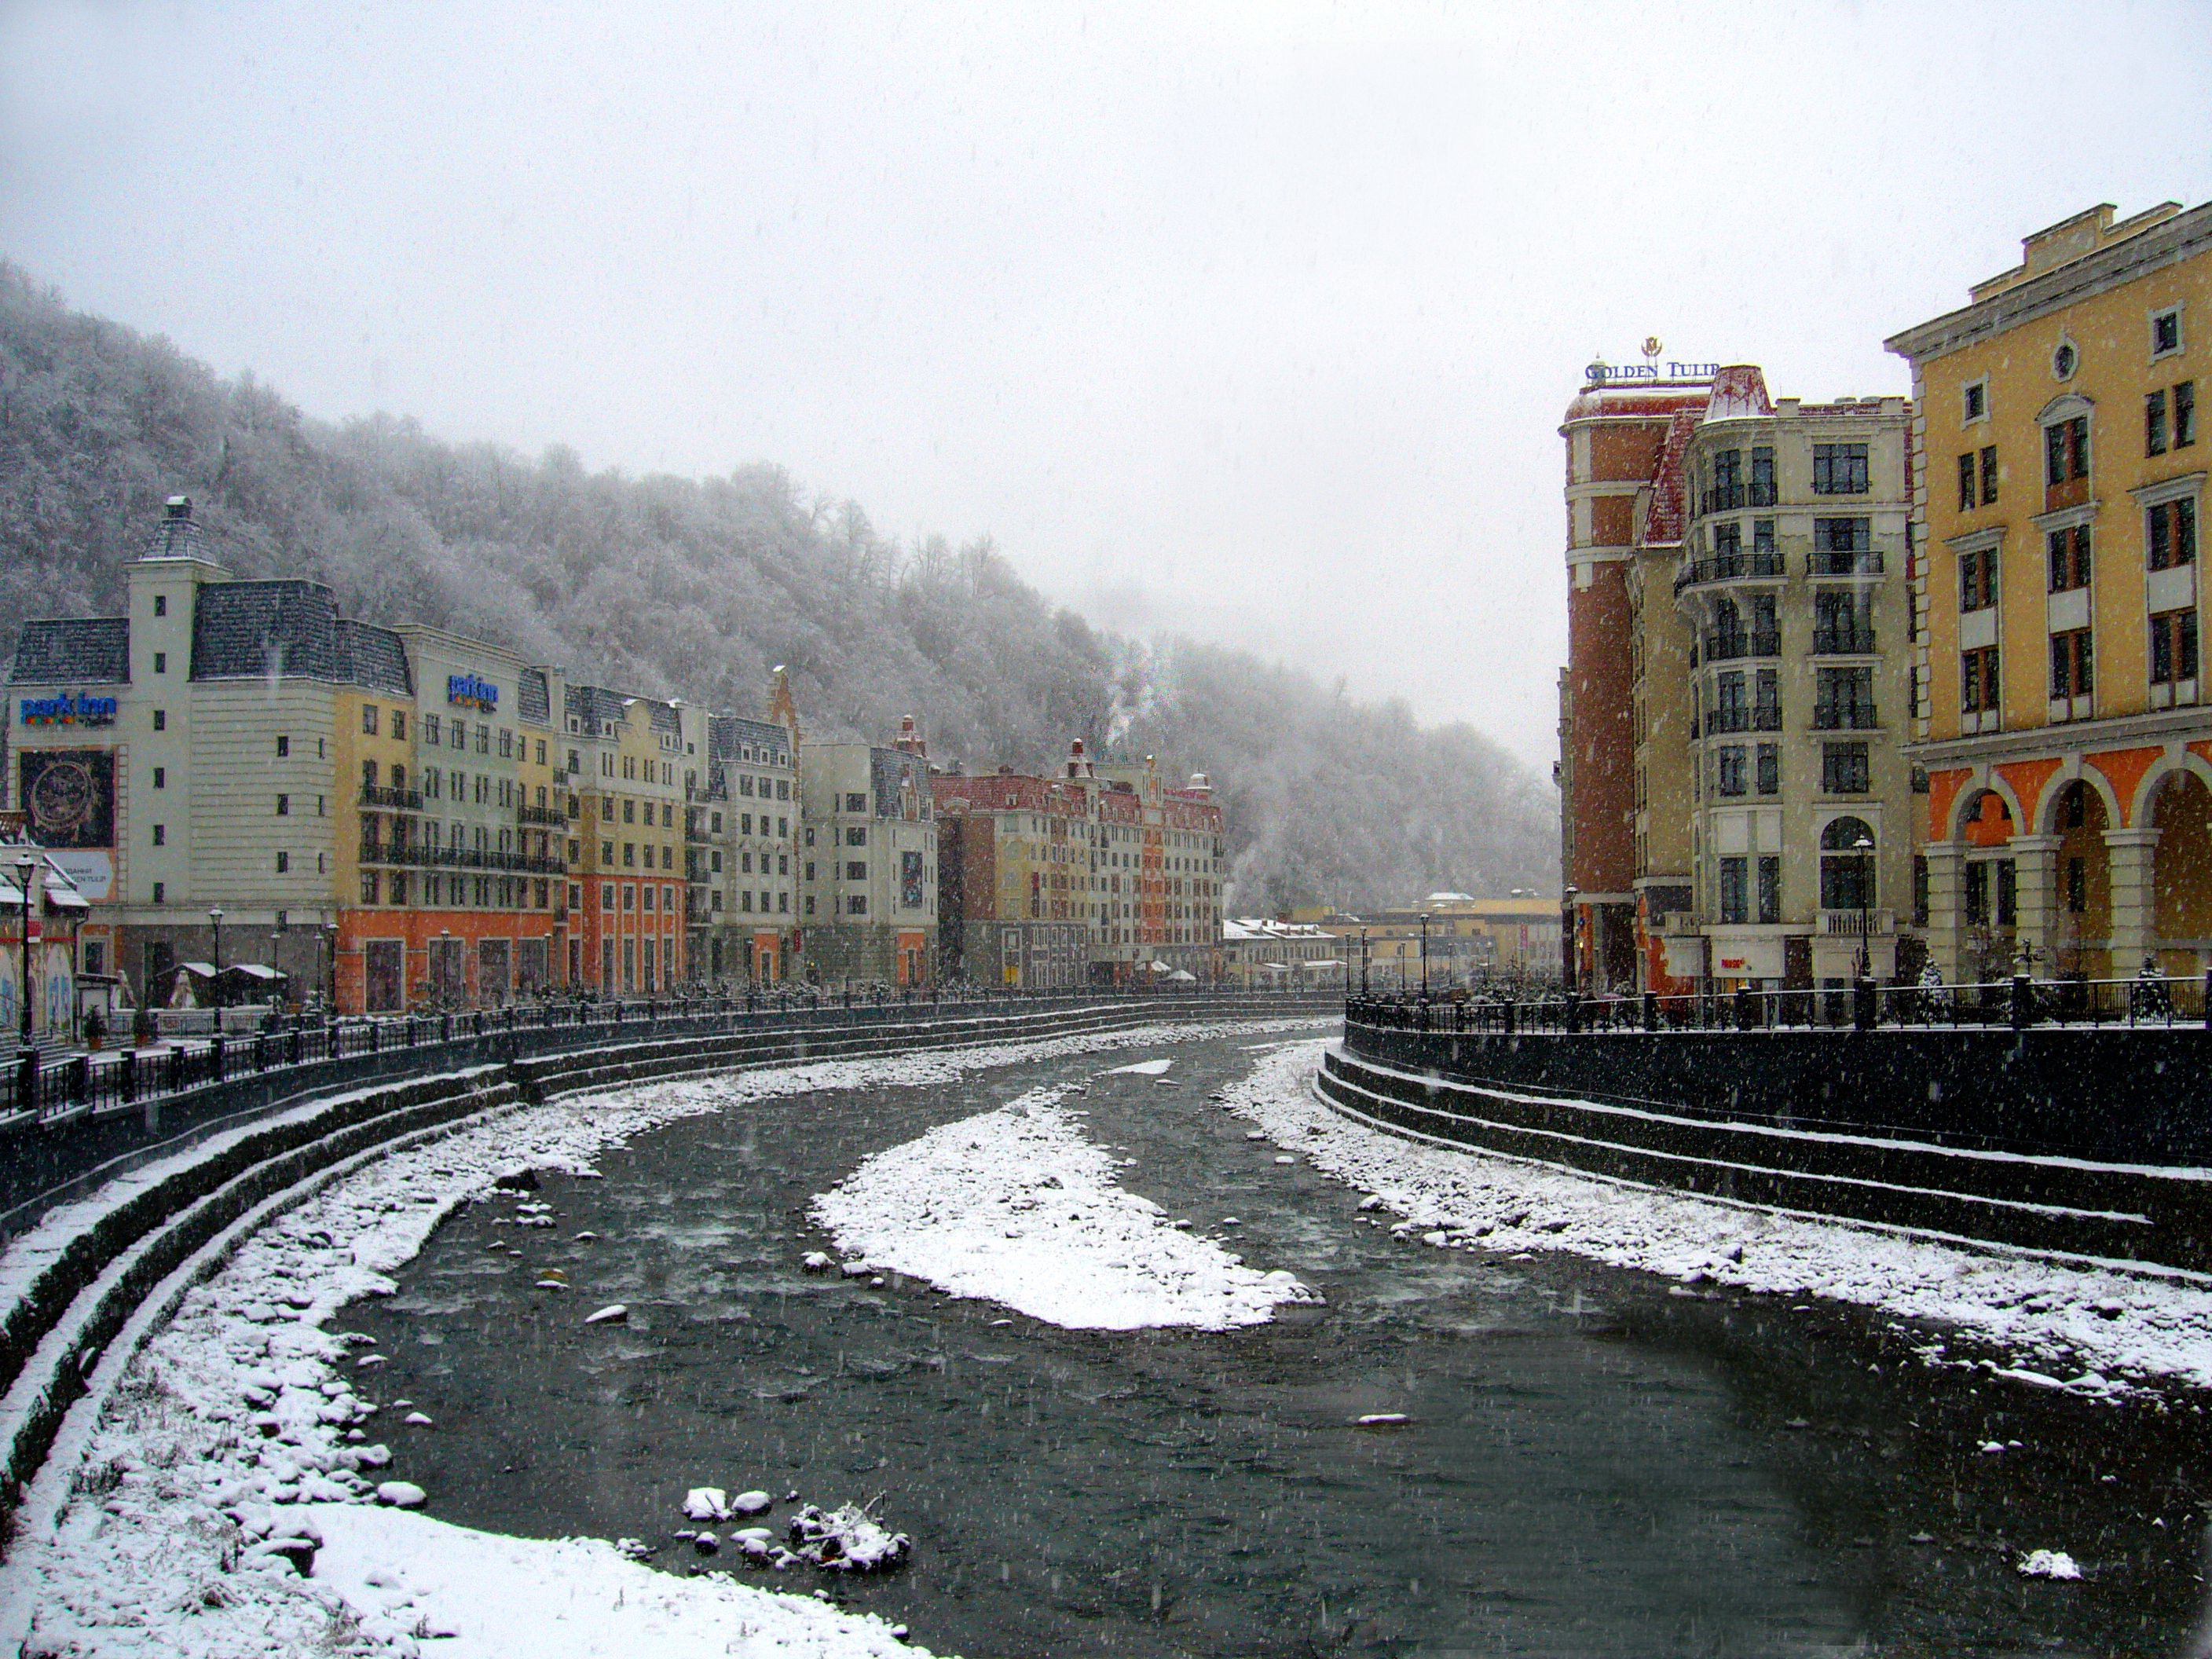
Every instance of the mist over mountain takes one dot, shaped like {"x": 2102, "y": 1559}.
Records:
{"x": 696, "y": 587}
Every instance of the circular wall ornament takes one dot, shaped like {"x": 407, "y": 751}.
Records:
{"x": 2065, "y": 359}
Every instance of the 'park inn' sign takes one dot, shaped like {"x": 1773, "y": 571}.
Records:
{"x": 67, "y": 710}
{"x": 469, "y": 691}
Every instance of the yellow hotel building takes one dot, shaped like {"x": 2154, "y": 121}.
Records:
{"x": 2060, "y": 481}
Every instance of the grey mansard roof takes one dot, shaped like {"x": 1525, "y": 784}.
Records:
{"x": 175, "y": 536}
{"x": 532, "y": 700}
{"x": 595, "y": 704}
{"x": 373, "y": 657}
{"x": 93, "y": 650}
{"x": 727, "y": 734}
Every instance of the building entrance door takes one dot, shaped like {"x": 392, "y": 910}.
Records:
{"x": 383, "y": 960}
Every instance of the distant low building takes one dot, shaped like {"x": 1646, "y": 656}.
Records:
{"x": 1260, "y": 953}
{"x": 1467, "y": 940}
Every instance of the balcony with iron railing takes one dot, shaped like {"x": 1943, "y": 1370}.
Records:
{"x": 1847, "y": 924}
{"x": 384, "y": 795}
{"x": 1760, "y": 563}
{"x": 549, "y": 816}
{"x": 1730, "y": 497}
{"x": 1740, "y": 720}
{"x": 1846, "y": 717}
{"x": 1844, "y": 562}
{"x": 1842, "y": 643}
{"x": 1728, "y": 647}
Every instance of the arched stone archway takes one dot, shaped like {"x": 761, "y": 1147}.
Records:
{"x": 2081, "y": 925}
{"x": 2181, "y": 886}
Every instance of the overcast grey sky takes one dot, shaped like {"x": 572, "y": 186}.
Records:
{"x": 1254, "y": 322}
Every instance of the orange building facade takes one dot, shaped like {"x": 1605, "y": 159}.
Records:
{"x": 2059, "y": 715}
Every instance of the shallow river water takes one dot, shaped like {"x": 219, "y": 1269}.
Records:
{"x": 1594, "y": 1467}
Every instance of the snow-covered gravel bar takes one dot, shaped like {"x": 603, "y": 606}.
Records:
{"x": 2094, "y": 1330}
{"x": 169, "y": 1525}
{"x": 1019, "y": 1205}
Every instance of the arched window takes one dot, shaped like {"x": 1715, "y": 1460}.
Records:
{"x": 1847, "y": 875}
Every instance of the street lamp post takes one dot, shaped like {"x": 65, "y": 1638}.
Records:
{"x": 1424, "y": 956}
{"x": 1363, "y": 962}
{"x": 215, "y": 919}
{"x": 1572, "y": 928}
{"x": 24, "y": 867}
{"x": 1864, "y": 847}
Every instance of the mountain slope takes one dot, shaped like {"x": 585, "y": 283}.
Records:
{"x": 670, "y": 585}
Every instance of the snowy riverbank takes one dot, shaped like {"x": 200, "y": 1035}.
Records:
{"x": 2091, "y": 1330}
{"x": 246, "y": 1414}
{"x": 1020, "y": 1206}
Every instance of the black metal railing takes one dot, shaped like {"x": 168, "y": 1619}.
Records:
{"x": 547, "y": 817}
{"x": 2019, "y": 1003}
{"x": 1844, "y": 562}
{"x": 1730, "y": 566}
{"x": 1726, "y": 647}
{"x": 382, "y": 794}
{"x": 57, "y": 1088}
{"x": 1842, "y": 641}
{"x": 1846, "y": 717}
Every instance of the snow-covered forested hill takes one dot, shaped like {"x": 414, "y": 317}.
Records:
{"x": 670, "y": 585}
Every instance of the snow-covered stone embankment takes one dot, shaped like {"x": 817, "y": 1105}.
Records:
{"x": 2092, "y": 1330}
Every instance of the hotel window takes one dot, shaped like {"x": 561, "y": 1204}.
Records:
{"x": 160, "y": 834}
{"x": 2070, "y": 660}
{"x": 161, "y": 892}
{"x": 460, "y": 733}
{"x": 1841, "y": 547}
{"x": 630, "y": 855}
{"x": 2172, "y": 534}
{"x": 368, "y": 887}
{"x": 1966, "y": 490}
{"x": 1840, "y": 469}
{"x": 483, "y": 739}
{"x": 2184, "y": 414}
{"x": 1734, "y": 870}
{"x": 630, "y": 897}
{"x": 857, "y": 870}
{"x": 1731, "y": 778}
{"x": 1989, "y": 475}
{"x": 2066, "y": 451}
{"x": 161, "y": 720}
{"x": 857, "y": 836}
{"x": 161, "y": 777}
{"x": 1770, "y": 889}
{"x": 283, "y": 806}
{"x": 1762, "y": 478}
{"x": 856, "y": 905}
{"x": 1978, "y": 579}
{"x": 399, "y": 723}
{"x": 2070, "y": 559}
{"x": 368, "y": 718}
{"x": 606, "y": 898}
{"x": 648, "y": 900}
{"x": 1770, "y": 769}
{"x": 284, "y": 863}
{"x": 2155, "y": 423}
{"x": 2173, "y": 646}
{"x": 856, "y": 803}
{"x": 1978, "y": 679}
{"x": 284, "y": 746}
{"x": 1844, "y": 768}
{"x": 160, "y": 662}
{"x": 1843, "y": 700}
{"x": 2166, "y": 332}
{"x": 629, "y": 811}
{"x": 161, "y": 605}
{"x": 506, "y": 743}
{"x": 1976, "y": 397}
{"x": 431, "y": 734}
{"x": 667, "y": 857}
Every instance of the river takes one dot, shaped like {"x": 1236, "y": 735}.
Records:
{"x": 1592, "y": 1465}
